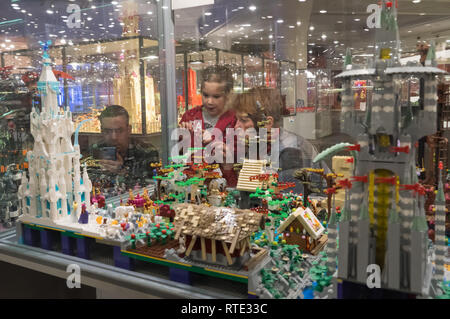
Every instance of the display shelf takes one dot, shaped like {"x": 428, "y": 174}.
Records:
{"x": 210, "y": 270}
{"x": 76, "y": 243}
{"x": 149, "y": 282}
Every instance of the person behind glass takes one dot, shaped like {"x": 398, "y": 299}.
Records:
{"x": 265, "y": 106}
{"x": 117, "y": 152}
{"x": 216, "y": 88}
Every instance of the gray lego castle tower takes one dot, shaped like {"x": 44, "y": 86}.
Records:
{"x": 383, "y": 221}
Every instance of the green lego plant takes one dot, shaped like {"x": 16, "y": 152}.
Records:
{"x": 445, "y": 287}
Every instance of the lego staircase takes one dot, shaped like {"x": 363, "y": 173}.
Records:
{"x": 250, "y": 168}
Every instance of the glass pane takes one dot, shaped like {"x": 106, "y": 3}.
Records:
{"x": 234, "y": 61}
{"x": 102, "y": 53}
{"x": 253, "y": 72}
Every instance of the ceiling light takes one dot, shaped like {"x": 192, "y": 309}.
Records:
{"x": 416, "y": 1}
{"x": 311, "y": 28}
{"x": 291, "y": 27}
{"x": 252, "y": 8}
{"x": 208, "y": 13}
{"x": 323, "y": 11}
{"x": 280, "y": 21}
{"x": 357, "y": 19}
{"x": 324, "y": 36}
{"x": 299, "y": 23}
{"x": 49, "y": 11}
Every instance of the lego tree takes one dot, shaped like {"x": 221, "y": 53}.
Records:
{"x": 318, "y": 273}
{"x": 230, "y": 201}
{"x": 157, "y": 233}
{"x": 445, "y": 287}
{"x": 261, "y": 193}
{"x": 309, "y": 187}
{"x": 190, "y": 185}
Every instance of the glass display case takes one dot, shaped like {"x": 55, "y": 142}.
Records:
{"x": 288, "y": 86}
{"x": 95, "y": 75}
{"x": 357, "y": 164}
{"x": 253, "y": 72}
{"x": 234, "y": 61}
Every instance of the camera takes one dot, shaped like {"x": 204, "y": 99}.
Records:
{"x": 105, "y": 153}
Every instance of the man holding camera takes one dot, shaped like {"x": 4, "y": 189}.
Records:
{"x": 118, "y": 153}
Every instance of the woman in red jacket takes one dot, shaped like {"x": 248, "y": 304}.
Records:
{"x": 217, "y": 85}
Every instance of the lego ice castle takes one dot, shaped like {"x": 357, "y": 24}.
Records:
{"x": 383, "y": 221}
{"x": 55, "y": 188}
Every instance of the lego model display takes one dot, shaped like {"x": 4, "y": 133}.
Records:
{"x": 303, "y": 229}
{"x": 56, "y": 193}
{"x": 14, "y": 142}
{"x": 383, "y": 218}
{"x": 9, "y": 183}
{"x": 281, "y": 244}
{"x": 55, "y": 189}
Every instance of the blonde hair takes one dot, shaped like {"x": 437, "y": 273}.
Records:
{"x": 258, "y": 102}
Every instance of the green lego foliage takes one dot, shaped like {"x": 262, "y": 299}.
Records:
{"x": 445, "y": 287}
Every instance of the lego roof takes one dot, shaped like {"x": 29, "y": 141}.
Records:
{"x": 219, "y": 223}
{"x": 414, "y": 69}
{"x": 250, "y": 168}
{"x": 307, "y": 218}
{"x": 357, "y": 72}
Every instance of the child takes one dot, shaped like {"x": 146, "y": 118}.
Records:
{"x": 263, "y": 107}
{"x": 217, "y": 85}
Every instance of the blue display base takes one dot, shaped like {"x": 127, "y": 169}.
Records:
{"x": 67, "y": 245}
{"x": 180, "y": 275}
{"x": 46, "y": 239}
{"x": 122, "y": 261}
{"x": 83, "y": 249}
{"x": 30, "y": 237}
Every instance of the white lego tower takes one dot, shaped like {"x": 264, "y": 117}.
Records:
{"x": 54, "y": 180}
